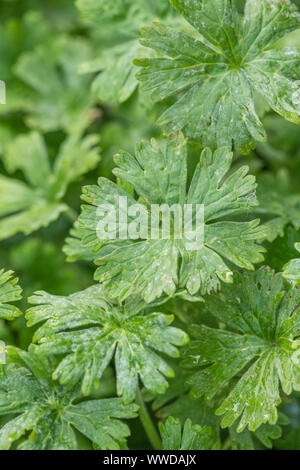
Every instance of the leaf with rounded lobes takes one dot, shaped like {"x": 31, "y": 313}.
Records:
{"x": 291, "y": 271}
{"x": 215, "y": 72}
{"x": 10, "y": 291}
{"x": 256, "y": 351}
{"x": 89, "y": 331}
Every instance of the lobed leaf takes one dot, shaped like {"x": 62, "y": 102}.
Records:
{"x": 89, "y": 331}
{"x": 254, "y": 354}
{"x": 27, "y": 207}
{"x": 152, "y": 267}
{"x": 10, "y": 291}
{"x": 215, "y": 72}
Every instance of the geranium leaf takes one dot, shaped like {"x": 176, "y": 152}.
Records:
{"x": 217, "y": 70}
{"x": 153, "y": 267}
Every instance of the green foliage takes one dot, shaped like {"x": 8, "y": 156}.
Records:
{"x": 218, "y": 70}
{"x": 89, "y": 330}
{"x": 256, "y": 353}
{"x": 292, "y": 268}
{"x": 51, "y": 70}
{"x": 116, "y": 81}
{"x": 191, "y": 437}
{"x": 47, "y": 415}
{"x": 10, "y": 291}
{"x": 109, "y": 365}
{"x": 25, "y": 207}
{"x": 158, "y": 173}
{"x": 246, "y": 440}
{"x": 277, "y": 199}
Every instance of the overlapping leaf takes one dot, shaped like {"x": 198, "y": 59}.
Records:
{"x": 217, "y": 71}
{"x": 57, "y": 97}
{"x": 47, "y": 415}
{"x": 89, "y": 331}
{"x": 186, "y": 437}
{"x": 25, "y": 207}
{"x": 291, "y": 270}
{"x": 278, "y": 201}
{"x": 10, "y": 291}
{"x": 153, "y": 267}
{"x": 255, "y": 354}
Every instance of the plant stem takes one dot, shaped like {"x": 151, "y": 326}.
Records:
{"x": 147, "y": 423}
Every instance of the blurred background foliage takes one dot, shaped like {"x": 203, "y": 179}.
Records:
{"x": 52, "y": 59}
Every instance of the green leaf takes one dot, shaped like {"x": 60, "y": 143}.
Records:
{"x": 282, "y": 249}
{"x": 10, "y": 291}
{"x": 191, "y": 437}
{"x": 246, "y": 440}
{"x": 47, "y": 415}
{"x": 52, "y": 71}
{"x": 215, "y": 72}
{"x": 153, "y": 267}
{"x": 27, "y": 207}
{"x": 254, "y": 353}
{"x": 89, "y": 331}
{"x": 177, "y": 402}
{"x": 74, "y": 248}
{"x": 278, "y": 201}
{"x": 18, "y": 35}
{"x": 291, "y": 271}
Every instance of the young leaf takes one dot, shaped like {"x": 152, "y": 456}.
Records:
{"x": 51, "y": 71}
{"x": 153, "y": 267}
{"x": 291, "y": 271}
{"x": 191, "y": 437}
{"x": 277, "y": 199}
{"x": 258, "y": 348}
{"x": 51, "y": 413}
{"x": 10, "y": 291}
{"x": 217, "y": 70}
{"x": 27, "y": 207}
{"x": 89, "y": 331}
